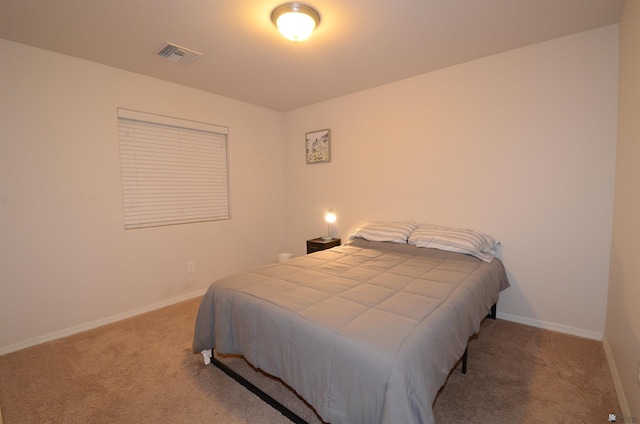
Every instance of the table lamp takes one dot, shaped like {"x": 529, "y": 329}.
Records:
{"x": 329, "y": 217}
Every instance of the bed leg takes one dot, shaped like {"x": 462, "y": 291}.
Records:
{"x": 464, "y": 359}
{"x": 493, "y": 312}
{"x": 492, "y": 315}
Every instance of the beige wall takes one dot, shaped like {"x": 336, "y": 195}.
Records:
{"x": 65, "y": 260}
{"x": 520, "y": 145}
{"x": 622, "y": 334}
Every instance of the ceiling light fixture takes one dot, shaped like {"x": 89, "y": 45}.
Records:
{"x": 295, "y": 21}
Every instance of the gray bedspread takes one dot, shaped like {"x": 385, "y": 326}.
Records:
{"x": 366, "y": 332}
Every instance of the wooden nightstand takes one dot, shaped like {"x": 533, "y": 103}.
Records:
{"x": 318, "y": 244}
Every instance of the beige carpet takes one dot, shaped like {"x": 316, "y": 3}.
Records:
{"x": 141, "y": 370}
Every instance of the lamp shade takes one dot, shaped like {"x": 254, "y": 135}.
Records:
{"x": 330, "y": 216}
{"x": 295, "y": 21}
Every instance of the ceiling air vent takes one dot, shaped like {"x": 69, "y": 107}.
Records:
{"x": 178, "y": 54}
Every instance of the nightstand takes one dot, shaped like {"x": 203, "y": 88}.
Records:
{"x": 318, "y": 244}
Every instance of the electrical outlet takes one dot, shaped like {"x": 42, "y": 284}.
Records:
{"x": 191, "y": 267}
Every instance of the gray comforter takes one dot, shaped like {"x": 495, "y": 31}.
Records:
{"x": 366, "y": 332}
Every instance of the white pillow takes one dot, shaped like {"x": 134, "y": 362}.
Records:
{"x": 461, "y": 240}
{"x": 396, "y": 232}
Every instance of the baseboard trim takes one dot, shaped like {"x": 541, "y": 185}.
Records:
{"x": 622, "y": 399}
{"x": 552, "y": 326}
{"x": 98, "y": 323}
{"x": 108, "y": 320}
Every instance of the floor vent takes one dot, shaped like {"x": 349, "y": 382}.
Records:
{"x": 178, "y": 54}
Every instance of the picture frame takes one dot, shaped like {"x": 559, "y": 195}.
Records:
{"x": 318, "y": 146}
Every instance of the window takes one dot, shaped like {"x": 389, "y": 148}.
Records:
{"x": 173, "y": 171}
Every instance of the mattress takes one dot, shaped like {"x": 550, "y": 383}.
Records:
{"x": 366, "y": 332}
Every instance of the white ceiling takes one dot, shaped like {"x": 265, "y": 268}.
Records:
{"x": 359, "y": 44}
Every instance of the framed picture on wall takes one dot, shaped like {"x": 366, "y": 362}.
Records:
{"x": 318, "y": 146}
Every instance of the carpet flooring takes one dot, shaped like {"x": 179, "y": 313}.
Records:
{"x": 141, "y": 370}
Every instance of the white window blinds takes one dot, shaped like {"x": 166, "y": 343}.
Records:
{"x": 173, "y": 171}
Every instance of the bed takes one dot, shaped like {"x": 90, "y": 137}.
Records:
{"x": 366, "y": 332}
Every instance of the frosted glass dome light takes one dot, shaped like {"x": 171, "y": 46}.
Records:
{"x": 295, "y": 21}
